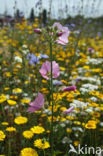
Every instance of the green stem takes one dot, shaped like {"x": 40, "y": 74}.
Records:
{"x": 3, "y": 110}
{"x": 51, "y": 93}
{"x": 9, "y": 152}
{"x": 44, "y": 152}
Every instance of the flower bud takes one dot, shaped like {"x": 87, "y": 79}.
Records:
{"x": 59, "y": 34}
{"x": 38, "y": 31}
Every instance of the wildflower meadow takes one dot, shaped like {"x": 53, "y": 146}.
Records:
{"x": 51, "y": 88}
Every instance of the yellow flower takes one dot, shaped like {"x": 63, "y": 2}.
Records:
{"x": 97, "y": 70}
{"x": 2, "y": 98}
{"x": 5, "y": 123}
{"x": 96, "y": 114}
{"x": 92, "y": 121}
{"x": 76, "y": 143}
{"x": 6, "y": 88}
{"x": 68, "y": 130}
{"x": 2, "y": 136}
{"x": 63, "y": 108}
{"x": 61, "y": 59}
{"x": 13, "y": 97}
{"x": 96, "y": 120}
{"x": 62, "y": 119}
{"x": 17, "y": 90}
{"x": 8, "y": 74}
{"x": 11, "y": 102}
{"x": 28, "y": 152}
{"x": 65, "y": 82}
{"x": 77, "y": 92}
{"x": 90, "y": 126}
{"x": 93, "y": 104}
{"x": 48, "y": 131}
{"x": 86, "y": 67}
{"x": 44, "y": 81}
{"x": 25, "y": 100}
{"x": 70, "y": 117}
{"x": 94, "y": 93}
{"x": 20, "y": 120}
{"x": 77, "y": 122}
{"x": 26, "y": 82}
{"x": 36, "y": 20}
{"x": 43, "y": 115}
{"x": 41, "y": 144}
{"x": 62, "y": 68}
{"x": 50, "y": 118}
{"x": 100, "y": 96}
{"x": 10, "y": 129}
{"x": 44, "y": 90}
{"x": 54, "y": 109}
{"x": 28, "y": 134}
{"x": 37, "y": 129}
{"x": 35, "y": 25}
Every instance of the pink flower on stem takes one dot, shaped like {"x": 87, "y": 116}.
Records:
{"x": 63, "y": 33}
{"x": 38, "y": 31}
{"x": 37, "y": 104}
{"x": 68, "y": 89}
{"x": 45, "y": 70}
{"x": 69, "y": 110}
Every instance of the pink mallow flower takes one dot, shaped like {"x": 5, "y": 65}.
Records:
{"x": 37, "y": 104}
{"x": 68, "y": 89}
{"x": 63, "y": 33}
{"x": 69, "y": 110}
{"x": 46, "y": 70}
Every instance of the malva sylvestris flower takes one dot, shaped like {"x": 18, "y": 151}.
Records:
{"x": 90, "y": 49}
{"x": 37, "y": 104}
{"x": 46, "y": 70}
{"x": 68, "y": 89}
{"x": 69, "y": 110}
{"x": 63, "y": 33}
